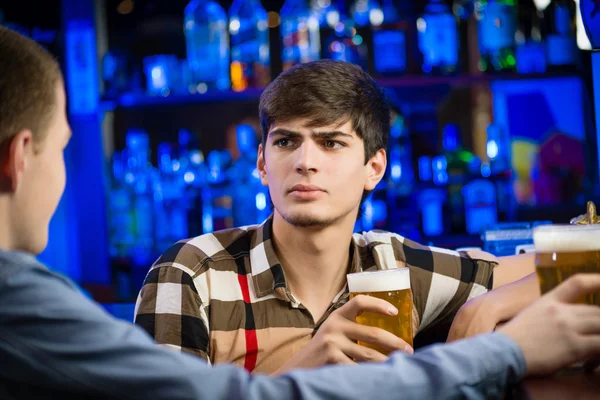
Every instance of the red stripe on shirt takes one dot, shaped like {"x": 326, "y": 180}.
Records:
{"x": 251, "y": 339}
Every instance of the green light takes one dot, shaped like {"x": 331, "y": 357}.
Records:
{"x": 357, "y": 40}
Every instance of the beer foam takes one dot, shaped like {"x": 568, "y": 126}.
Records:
{"x": 566, "y": 238}
{"x": 379, "y": 281}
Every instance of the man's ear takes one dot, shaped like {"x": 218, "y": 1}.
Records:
{"x": 376, "y": 166}
{"x": 14, "y": 155}
{"x": 262, "y": 166}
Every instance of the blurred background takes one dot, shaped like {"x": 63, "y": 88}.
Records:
{"x": 492, "y": 119}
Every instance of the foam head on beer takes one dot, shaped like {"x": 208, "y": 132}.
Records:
{"x": 566, "y": 238}
{"x": 379, "y": 281}
{"x": 566, "y": 250}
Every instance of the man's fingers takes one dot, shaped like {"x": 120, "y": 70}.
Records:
{"x": 342, "y": 358}
{"x": 362, "y": 354}
{"x": 576, "y": 286}
{"x": 377, "y": 336}
{"x": 363, "y": 303}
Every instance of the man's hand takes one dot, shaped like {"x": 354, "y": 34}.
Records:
{"x": 482, "y": 314}
{"x": 553, "y": 332}
{"x": 335, "y": 341}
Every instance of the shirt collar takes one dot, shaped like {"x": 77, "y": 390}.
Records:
{"x": 267, "y": 273}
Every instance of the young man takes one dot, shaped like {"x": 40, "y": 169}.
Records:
{"x": 55, "y": 343}
{"x": 265, "y": 297}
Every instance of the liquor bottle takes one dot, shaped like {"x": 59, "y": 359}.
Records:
{"x": 249, "y": 196}
{"x": 343, "y": 42}
{"x": 141, "y": 177}
{"x": 496, "y": 28}
{"x": 561, "y": 43}
{"x": 458, "y": 172}
{"x": 433, "y": 195}
{"x": 250, "y": 57}
{"x": 394, "y": 42}
{"x": 438, "y": 38}
{"x": 530, "y": 46}
{"x": 121, "y": 228}
{"x": 207, "y": 43}
{"x": 299, "y": 33}
{"x": 216, "y": 196}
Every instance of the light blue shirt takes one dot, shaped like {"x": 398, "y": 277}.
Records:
{"x": 56, "y": 342}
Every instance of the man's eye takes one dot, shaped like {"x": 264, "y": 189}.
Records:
{"x": 283, "y": 143}
{"x": 332, "y": 144}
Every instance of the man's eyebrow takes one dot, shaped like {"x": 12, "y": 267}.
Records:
{"x": 331, "y": 135}
{"x": 315, "y": 135}
{"x": 284, "y": 132}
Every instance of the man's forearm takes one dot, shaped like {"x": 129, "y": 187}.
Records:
{"x": 512, "y": 298}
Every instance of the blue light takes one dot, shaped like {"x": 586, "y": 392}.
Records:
{"x": 396, "y": 172}
{"x": 486, "y": 170}
{"x": 492, "y": 149}
{"x": 425, "y": 173}
{"x": 440, "y": 173}
{"x": 261, "y": 201}
{"x": 189, "y": 177}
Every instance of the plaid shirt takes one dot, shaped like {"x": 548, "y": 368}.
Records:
{"x": 223, "y": 296}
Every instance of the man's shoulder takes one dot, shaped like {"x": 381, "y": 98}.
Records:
{"x": 210, "y": 248}
{"x": 12, "y": 262}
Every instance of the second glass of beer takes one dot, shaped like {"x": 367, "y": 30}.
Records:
{"x": 566, "y": 250}
{"x": 393, "y": 286}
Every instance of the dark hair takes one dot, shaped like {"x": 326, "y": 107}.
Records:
{"x": 328, "y": 92}
{"x": 28, "y": 79}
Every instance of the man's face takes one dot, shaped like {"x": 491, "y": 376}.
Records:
{"x": 42, "y": 182}
{"x": 316, "y": 176}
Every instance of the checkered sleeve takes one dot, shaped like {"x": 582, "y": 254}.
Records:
{"x": 443, "y": 280}
{"x": 169, "y": 307}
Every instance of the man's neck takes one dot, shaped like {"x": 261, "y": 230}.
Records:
{"x": 315, "y": 260}
{"x": 6, "y": 242}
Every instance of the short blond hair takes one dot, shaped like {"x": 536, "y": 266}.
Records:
{"x": 28, "y": 79}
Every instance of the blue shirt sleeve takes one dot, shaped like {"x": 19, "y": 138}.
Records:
{"x": 52, "y": 337}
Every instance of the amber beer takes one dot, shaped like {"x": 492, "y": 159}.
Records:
{"x": 392, "y": 285}
{"x": 566, "y": 250}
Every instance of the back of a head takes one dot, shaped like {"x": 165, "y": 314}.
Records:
{"x": 328, "y": 92}
{"x": 28, "y": 79}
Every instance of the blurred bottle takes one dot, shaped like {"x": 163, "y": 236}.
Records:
{"x": 433, "y": 178}
{"x": 438, "y": 38}
{"x": 171, "y": 200}
{"x": 141, "y": 177}
{"x": 216, "y": 196}
{"x": 250, "y": 197}
{"x": 193, "y": 179}
{"x": 163, "y": 74}
{"x": 299, "y": 33}
{"x": 118, "y": 74}
{"x": 401, "y": 177}
{"x": 480, "y": 205}
{"x": 205, "y": 27}
{"x": 561, "y": 42}
{"x": 499, "y": 153}
{"x": 403, "y": 215}
{"x": 459, "y": 168}
{"x": 530, "y": 47}
{"x": 343, "y": 42}
{"x": 394, "y": 41}
{"x": 250, "y": 58}
{"x": 121, "y": 224}
{"x": 497, "y": 27}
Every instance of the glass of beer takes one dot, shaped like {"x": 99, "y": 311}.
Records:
{"x": 566, "y": 250}
{"x": 392, "y": 285}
